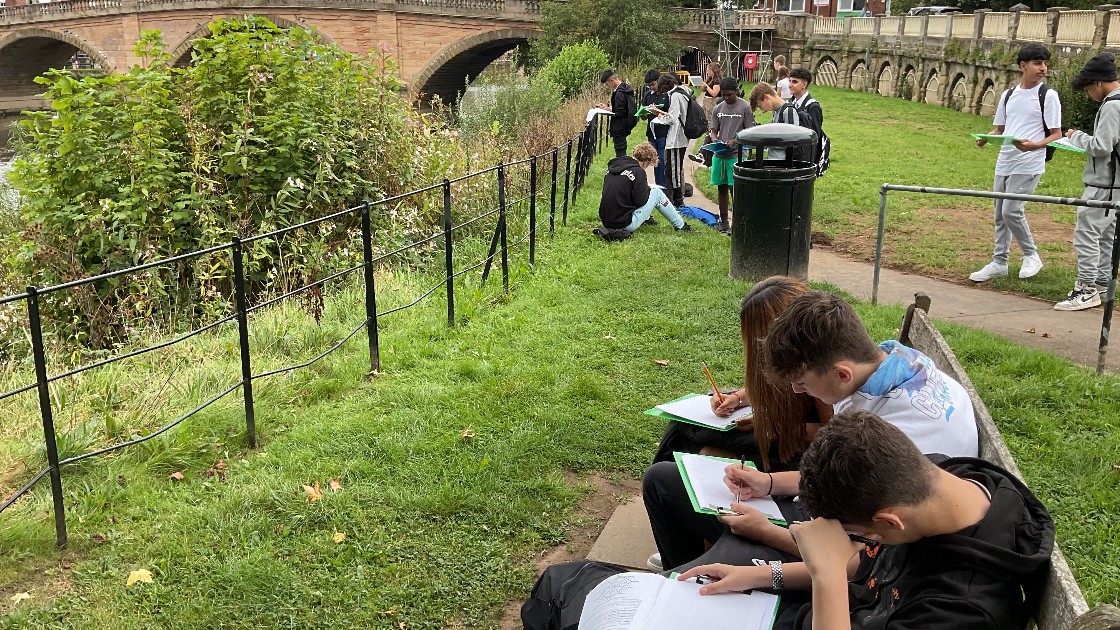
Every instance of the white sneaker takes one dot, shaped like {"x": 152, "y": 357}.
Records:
{"x": 1079, "y": 299}
{"x": 1031, "y": 266}
{"x": 654, "y": 563}
{"x": 990, "y": 270}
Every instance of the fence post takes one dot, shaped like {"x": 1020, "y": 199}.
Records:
{"x": 371, "y": 292}
{"x": 45, "y": 411}
{"x": 502, "y": 225}
{"x": 448, "y": 258}
{"x": 243, "y": 337}
{"x": 532, "y": 210}
{"x": 567, "y": 184}
{"x": 601, "y": 132}
{"x": 577, "y": 179}
{"x": 552, "y": 202}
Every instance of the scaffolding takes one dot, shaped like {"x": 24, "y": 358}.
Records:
{"x": 736, "y": 42}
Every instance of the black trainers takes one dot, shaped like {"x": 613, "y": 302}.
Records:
{"x": 610, "y": 235}
{"x": 723, "y": 227}
{"x": 649, "y": 221}
{"x": 696, "y": 157}
{"x": 684, "y": 228}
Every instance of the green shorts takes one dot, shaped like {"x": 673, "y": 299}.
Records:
{"x": 723, "y": 169}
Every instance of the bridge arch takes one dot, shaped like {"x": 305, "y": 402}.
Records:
{"x": 858, "y": 76}
{"x": 180, "y": 56}
{"x": 457, "y": 64}
{"x": 886, "y": 81}
{"x": 28, "y": 53}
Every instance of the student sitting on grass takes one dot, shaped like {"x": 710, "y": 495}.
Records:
{"x": 628, "y": 200}
{"x": 780, "y": 428}
{"x": 819, "y": 346}
{"x": 961, "y": 541}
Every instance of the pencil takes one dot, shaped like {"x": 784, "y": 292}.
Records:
{"x": 719, "y": 394}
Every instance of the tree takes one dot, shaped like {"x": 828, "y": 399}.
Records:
{"x": 637, "y": 32}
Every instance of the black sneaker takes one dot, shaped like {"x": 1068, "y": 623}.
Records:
{"x": 696, "y": 157}
{"x": 723, "y": 227}
{"x": 649, "y": 221}
{"x": 684, "y": 228}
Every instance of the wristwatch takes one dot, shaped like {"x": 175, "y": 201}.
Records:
{"x": 776, "y": 574}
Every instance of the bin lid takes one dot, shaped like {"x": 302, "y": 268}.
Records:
{"x": 776, "y": 135}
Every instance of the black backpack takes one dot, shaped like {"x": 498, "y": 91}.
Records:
{"x": 631, "y": 111}
{"x": 695, "y": 122}
{"x": 824, "y": 145}
{"x": 1042, "y": 90}
{"x": 557, "y": 598}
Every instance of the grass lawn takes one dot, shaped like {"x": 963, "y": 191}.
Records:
{"x": 452, "y": 464}
{"x": 878, "y": 140}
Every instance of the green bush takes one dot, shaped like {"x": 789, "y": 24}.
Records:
{"x": 576, "y": 67}
{"x": 1077, "y": 109}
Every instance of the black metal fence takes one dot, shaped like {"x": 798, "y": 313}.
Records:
{"x": 562, "y": 170}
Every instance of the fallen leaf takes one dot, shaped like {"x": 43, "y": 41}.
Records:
{"x": 314, "y": 493}
{"x": 391, "y": 611}
{"x": 19, "y": 597}
{"x": 1030, "y": 330}
{"x": 139, "y": 575}
{"x": 401, "y": 625}
{"x": 335, "y": 485}
{"x": 661, "y": 361}
{"x": 1045, "y": 335}
{"x": 66, "y": 564}
{"x": 177, "y": 476}
{"x": 338, "y": 537}
{"x": 98, "y": 538}
{"x": 467, "y": 433}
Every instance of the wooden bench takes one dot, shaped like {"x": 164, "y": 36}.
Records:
{"x": 1062, "y": 606}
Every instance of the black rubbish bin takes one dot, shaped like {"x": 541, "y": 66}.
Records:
{"x": 772, "y": 206}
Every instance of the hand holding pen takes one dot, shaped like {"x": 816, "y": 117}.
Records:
{"x": 746, "y": 482}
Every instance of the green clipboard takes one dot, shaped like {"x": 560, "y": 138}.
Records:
{"x": 643, "y": 110}
{"x": 692, "y": 493}
{"x": 994, "y": 137}
{"x": 1065, "y": 146}
{"x": 657, "y": 413}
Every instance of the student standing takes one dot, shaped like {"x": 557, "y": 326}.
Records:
{"x": 730, "y": 116}
{"x": 1094, "y": 234}
{"x": 767, "y": 99}
{"x": 783, "y": 83}
{"x": 656, "y": 130}
{"x": 710, "y": 87}
{"x": 1031, "y": 112}
{"x": 623, "y": 106}
{"x": 676, "y": 142}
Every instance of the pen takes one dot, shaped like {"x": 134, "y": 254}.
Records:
{"x": 719, "y": 394}
{"x": 739, "y": 486}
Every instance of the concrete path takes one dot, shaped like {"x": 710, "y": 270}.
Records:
{"x": 627, "y": 540}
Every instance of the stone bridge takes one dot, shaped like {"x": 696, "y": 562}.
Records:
{"x": 959, "y": 61}
{"x": 439, "y": 43}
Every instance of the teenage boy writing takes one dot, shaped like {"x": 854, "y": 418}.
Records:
{"x": 961, "y": 541}
{"x": 1021, "y": 164}
{"x": 622, "y": 95}
{"x": 1096, "y": 228}
{"x": 766, "y": 98}
{"x": 730, "y": 116}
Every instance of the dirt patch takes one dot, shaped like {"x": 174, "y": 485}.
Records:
{"x": 42, "y": 583}
{"x": 594, "y": 512}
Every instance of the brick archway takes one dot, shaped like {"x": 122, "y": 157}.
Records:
{"x": 180, "y": 55}
{"x": 28, "y": 53}
{"x": 459, "y": 63}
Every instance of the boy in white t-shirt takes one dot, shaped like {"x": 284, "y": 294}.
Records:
{"x": 1032, "y": 113}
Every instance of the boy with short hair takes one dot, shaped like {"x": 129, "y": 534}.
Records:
{"x": 767, "y": 99}
{"x": 961, "y": 541}
{"x": 1095, "y": 232}
{"x": 623, "y": 105}
{"x": 1031, "y": 112}
{"x": 730, "y": 116}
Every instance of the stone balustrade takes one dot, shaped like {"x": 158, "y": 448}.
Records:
{"x": 1099, "y": 28}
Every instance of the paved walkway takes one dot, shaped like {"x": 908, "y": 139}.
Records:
{"x": 627, "y": 540}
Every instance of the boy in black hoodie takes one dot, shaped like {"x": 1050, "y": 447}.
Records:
{"x": 959, "y": 542}
{"x": 628, "y": 200}
{"x": 623, "y": 106}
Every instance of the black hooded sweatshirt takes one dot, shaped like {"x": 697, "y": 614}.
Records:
{"x": 625, "y": 189}
{"x": 967, "y": 580}
{"x": 622, "y": 122}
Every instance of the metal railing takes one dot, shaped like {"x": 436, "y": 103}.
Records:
{"x": 562, "y": 170}
{"x": 1114, "y": 206}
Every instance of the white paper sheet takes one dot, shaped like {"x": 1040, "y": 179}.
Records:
{"x": 595, "y": 111}
{"x": 705, "y": 475}
{"x": 698, "y": 409}
{"x": 646, "y": 601}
